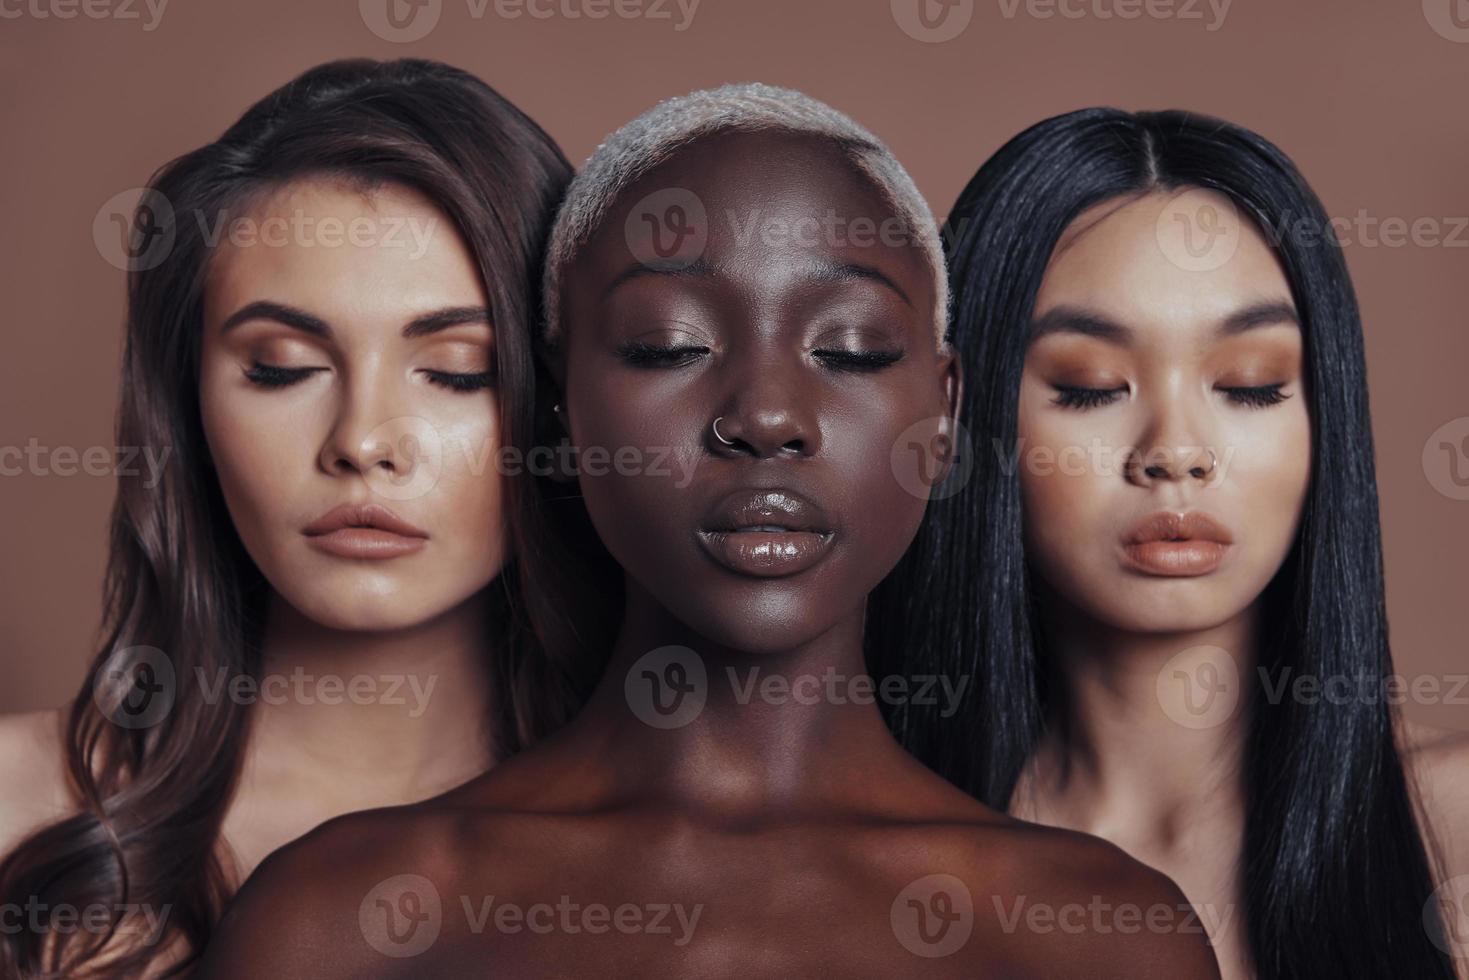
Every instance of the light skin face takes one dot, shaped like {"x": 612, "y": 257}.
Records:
{"x": 347, "y": 409}
{"x": 1186, "y": 361}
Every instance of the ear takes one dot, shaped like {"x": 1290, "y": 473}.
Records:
{"x": 552, "y": 355}
{"x": 951, "y": 381}
{"x": 554, "y": 423}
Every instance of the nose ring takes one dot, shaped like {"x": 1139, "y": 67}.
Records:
{"x": 1213, "y": 462}
{"x": 727, "y": 442}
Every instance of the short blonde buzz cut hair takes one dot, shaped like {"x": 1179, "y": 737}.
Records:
{"x": 653, "y": 137}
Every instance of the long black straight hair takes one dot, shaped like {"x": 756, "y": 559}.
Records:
{"x": 1336, "y": 867}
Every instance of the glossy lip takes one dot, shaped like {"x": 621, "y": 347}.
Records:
{"x": 766, "y": 533}
{"x": 364, "y": 531}
{"x": 1172, "y": 544}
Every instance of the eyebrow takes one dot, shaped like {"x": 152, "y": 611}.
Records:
{"x": 697, "y": 269}
{"x": 854, "y": 271}
{"x": 820, "y": 272}
{"x": 1071, "y": 319}
{"x": 420, "y": 326}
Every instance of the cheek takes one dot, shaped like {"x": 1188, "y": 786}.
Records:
{"x": 1269, "y": 474}
{"x": 635, "y": 457}
{"x": 250, "y": 441}
{"x": 467, "y": 503}
{"x": 884, "y": 477}
{"x": 1065, "y": 517}
{"x": 1068, "y": 491}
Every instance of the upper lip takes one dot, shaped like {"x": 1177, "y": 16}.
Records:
{"x": 1170, "y": 526}
{"x": 772, "y": 507}
{"x": 362, "y": 515}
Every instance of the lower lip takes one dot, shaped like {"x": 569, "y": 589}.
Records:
{"x": 365, "y": 542}
{"x": 766, "y": 554}
{"x": 1175, "y": 557}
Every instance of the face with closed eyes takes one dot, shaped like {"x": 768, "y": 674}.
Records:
{"x": 353, "y": 368}
{"x": 813, "y": 349}
{"x": 1139, "y": 366}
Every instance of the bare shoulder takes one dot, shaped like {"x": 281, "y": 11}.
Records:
{"x": 1066, "y": 904}
{"x": 33, "y": 784}
{"x": 1438, "y": 761}
{"x": 1437, "y": 753}
{"x": 350, "y": 898}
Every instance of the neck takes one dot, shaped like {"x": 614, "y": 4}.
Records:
{"x": 395, "y": 715}
{"x": 1136, "y": 747}
{"x": 784, "y": 730}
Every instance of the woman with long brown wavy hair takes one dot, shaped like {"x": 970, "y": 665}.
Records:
{"x": 328, "y": 601}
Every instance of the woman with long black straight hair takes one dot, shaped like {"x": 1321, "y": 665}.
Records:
{"x": 1170, "y": 517}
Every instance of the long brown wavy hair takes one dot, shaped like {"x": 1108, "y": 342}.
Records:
{"x": 153, "y": 796}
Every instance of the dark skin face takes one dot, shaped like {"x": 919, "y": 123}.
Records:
{"x": 816, "y": 350}
{"x": 781, "y": 837}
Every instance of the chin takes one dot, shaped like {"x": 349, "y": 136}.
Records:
{"x": 1180, "y": 608}
{"x": 364, "y": 611}
{"x": 757, "y": 632}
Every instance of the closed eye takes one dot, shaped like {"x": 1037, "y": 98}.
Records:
{"x": 858, "y": 360}
{"x": 642, "y": 354}
{"x": 455, "y": 381}
{"x": 274, "y": 376}
{"x": 1257, "y": 396}
{"x": 1072, "y": 396}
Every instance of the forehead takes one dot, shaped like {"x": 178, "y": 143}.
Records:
{"x": 1165, "y": 260}
{"x": 329, "y": 246}
{"x": 763, "y": 204}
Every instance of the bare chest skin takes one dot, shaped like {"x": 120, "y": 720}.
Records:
{"x": 637, "y": 893}
{"x": 654, "y": 899}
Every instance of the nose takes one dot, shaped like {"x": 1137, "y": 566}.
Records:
{"x": 769, "y": 410}
{"x": 1174, "y": 446}
{"x": 365, "y": 438}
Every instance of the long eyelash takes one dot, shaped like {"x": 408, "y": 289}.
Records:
{"x": 1070, "y": 396}
{"x": 859, "y": 360}
{"x": 1260, "y": 396}
{"x": 461, "y": 382}
{"x": 644, "y": 354}
{"x": 273, "y": 376}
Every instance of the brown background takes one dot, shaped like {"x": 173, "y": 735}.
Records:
{"x": 1365, "y": 94}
